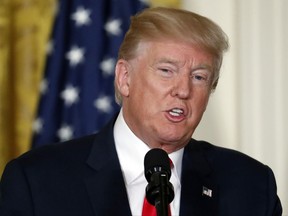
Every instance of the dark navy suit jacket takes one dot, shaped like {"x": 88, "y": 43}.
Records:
{"x": 83, "y": 178}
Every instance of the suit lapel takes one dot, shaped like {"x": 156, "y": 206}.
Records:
{"x": 107, "y": 191}
{"x": 199, "y": 192}
{"x": 105, "y": 183}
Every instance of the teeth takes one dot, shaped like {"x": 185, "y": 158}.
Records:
{"x": 176, "y": 112}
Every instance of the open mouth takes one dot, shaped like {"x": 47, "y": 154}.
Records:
{"x": 176, "y": 112}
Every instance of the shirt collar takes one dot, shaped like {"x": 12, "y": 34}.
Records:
{"x": 176, "y": 157}
{"x": 131, "y": 152}
{"x": 130, "y": 149}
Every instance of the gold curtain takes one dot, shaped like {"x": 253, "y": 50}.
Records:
{"x": 24, "y": 30}
{"x": 165, "y": 3}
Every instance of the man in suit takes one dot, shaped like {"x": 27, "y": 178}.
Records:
{"x": 168, "y": 65}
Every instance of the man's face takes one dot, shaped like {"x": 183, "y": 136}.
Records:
{"x": 165, "y": 92}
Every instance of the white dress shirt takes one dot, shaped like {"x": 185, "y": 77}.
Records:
{"x": 131, "y": 152}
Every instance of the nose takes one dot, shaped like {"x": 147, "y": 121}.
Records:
{"x": 182, "y": 87}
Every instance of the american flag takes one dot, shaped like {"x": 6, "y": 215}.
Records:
{"x": 77, "y": 92}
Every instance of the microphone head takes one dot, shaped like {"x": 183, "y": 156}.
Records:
{"x": 156, "y": 160}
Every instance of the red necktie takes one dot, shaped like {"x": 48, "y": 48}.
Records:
{"x": 150, "y": 210}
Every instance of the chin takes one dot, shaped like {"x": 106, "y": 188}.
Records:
{"x": 172, "y": 138}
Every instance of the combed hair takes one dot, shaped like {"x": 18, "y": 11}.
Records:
{"x": 167, "y": 23}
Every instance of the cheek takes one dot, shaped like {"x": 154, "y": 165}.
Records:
{"x": 205, "y": 101}
{"x": 144, "y": 86}
{"x": 200, "y": 101}
{"x": 139, "y": 93}
{"x": 146, "y": 98}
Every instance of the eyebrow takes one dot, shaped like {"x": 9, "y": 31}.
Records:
{"x": 176, "y": 62}
{"x": 203, "y": 66}
{"x": 167, "y": 60}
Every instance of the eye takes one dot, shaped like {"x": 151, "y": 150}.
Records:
{"x": 200, "y": 79}
{"x": 165, "y": 72}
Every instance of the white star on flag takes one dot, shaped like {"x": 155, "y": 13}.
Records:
{"x": 81, "y": 16}
{"x": 107, "y": 66}
{"x": 70, "y": 95}
{"x": 103, "y": 104}
{"x": 113, "y": 27}
{"x": 65, "y": 133}
{"x": 75, "y": 55}
{"x": 37, "y": 125}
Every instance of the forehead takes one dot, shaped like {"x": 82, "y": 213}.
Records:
{"x": 171, "y": 51}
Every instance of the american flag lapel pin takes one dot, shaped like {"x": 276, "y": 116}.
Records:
{"x": 206, "y": 191}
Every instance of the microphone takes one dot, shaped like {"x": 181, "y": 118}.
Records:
{"x": 159, "y": 191}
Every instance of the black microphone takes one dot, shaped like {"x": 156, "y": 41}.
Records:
{"x": 159, "y": 191}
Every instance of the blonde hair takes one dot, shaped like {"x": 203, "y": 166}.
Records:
{"x": 175, "y": 24}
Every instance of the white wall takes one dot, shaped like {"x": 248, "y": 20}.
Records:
{"x": 249, "y": 110}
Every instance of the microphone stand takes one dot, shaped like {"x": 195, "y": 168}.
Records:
{"x": 160, "y": 193}
{"x": 161, "y": 202}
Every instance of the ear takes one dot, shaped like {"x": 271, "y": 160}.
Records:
{"x": 122, "y": 72}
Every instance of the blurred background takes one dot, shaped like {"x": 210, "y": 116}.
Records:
{"x": 56, "y": 74}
